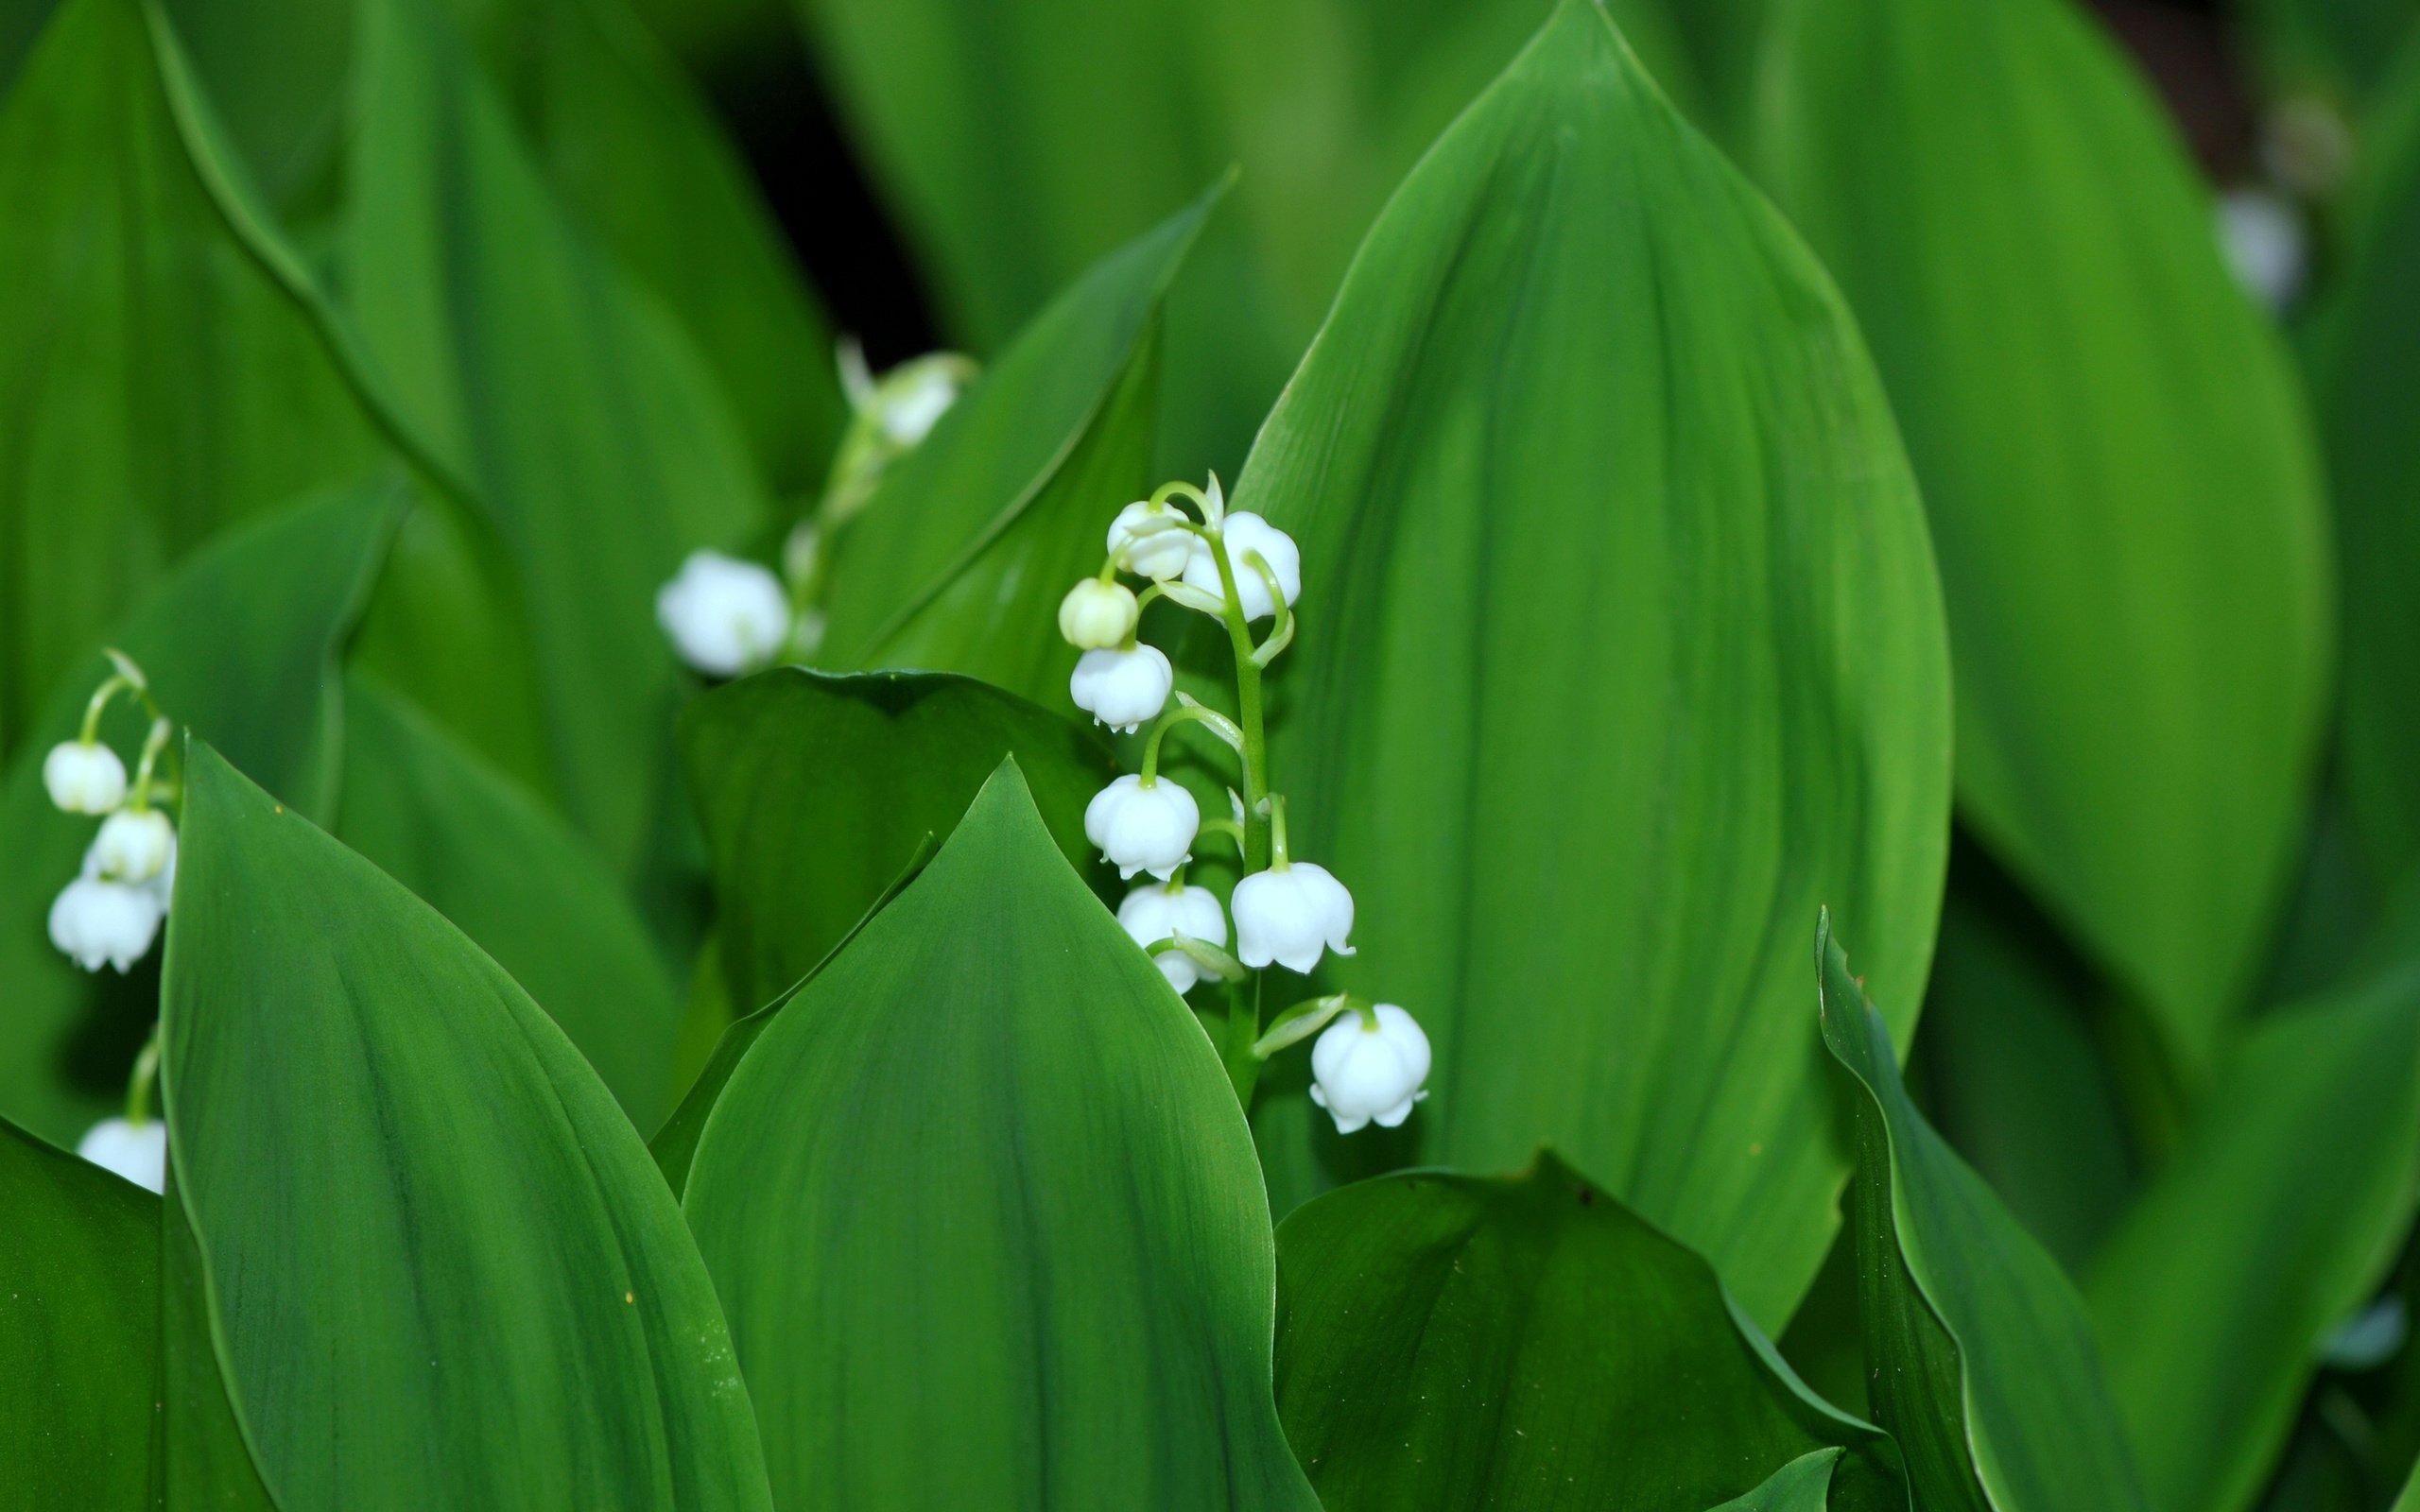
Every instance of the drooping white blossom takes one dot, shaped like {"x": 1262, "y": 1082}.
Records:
{"x": 1152, "y": 538}
{"x": 1363, "y": 1072}
{"x": 1097, "y": 616}
{"x": 1246, "y": 534}
{"x": 1289, "y": 914}
{"x": 138, "y": 1152}
{"x": 1123, "y": 690}
{"x": 1143, "y": 826}
{"x": 725, "y": 616}
{"x": 1154, "y": 914}
{"x": 83, "y": 778}
{"x": 914, "y": 398}
{"x": 2266, "y": 243}
{"x": 95, "y": 923}
{"x": 133, "y": 846}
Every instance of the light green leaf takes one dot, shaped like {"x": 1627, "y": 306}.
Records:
{"x": 984, "y": 1214}
{"x": 2410, "y": 1500}
{"x": 1620, "y": 644}
{"x": 1527, "y": 1341}
{"x": 439, "y": 1267}
{"x": 240, "y": 645}
{"x": 2114, "y": 457}
{"x": 1804, "y": 1485}
{"x": 79, "y": 1310}
{"x": 1979, "y": 1355}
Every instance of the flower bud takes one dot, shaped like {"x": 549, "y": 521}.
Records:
{"x": 1123, "y": 690}
{"x": 1150, "y": 538}
{"x": 1154, "y": 914}
{"x": 1097, "y": 616}
{"x": 913, "y": 397}
{"x": 1288, "y": 913}
{"x": 138, "y": 1152}
{"x": 1143, "y": 827}
{"x": 84, "y": 777}
{"x": 1362, "y": 1071}
{"x": 94, "y": 921}
{"x": 1247, "y": 534}
{"x": 2267, "y": 244}
{"x": 725, "y": 616}
{"x": 133, "y": 845}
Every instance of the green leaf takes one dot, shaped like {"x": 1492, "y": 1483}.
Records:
{"x": 2284, "y": 1207}
{"x": 273, "y": 599}
{"x": 204, "y": 1459}
{"x": 157, "y": 386}
{"x": 80, "y": 1309}
{"x": 1621, "y": 643}
{"x": 2410, "y": 1500}
{"x": 508, "y": 873}
{"x": 567, "y": 397}
{"x": 2114, "y": 457}
{"x": 1527, "y": 1341}
{"x": 1804, "y": 1485}
{"x": 438, "y": 1266}
{"x": 984, "y": 1214}
{"x": 1979, "y": 1355}
{"x": 2337, "y": 49}
{"x": 815, "y": 790}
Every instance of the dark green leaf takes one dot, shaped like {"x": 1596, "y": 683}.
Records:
{"x": 1447, "y": 1341}
{"x": 440, "y": 1268}
{"x": 1804, "y": 1485}
{"x": 205, "y": 1461}
{"x": 985, "y": 1216}
{"x": 1620, "y": 644}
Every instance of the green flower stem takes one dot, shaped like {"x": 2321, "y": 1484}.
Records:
{"x": 1243, "y": 1000}
{"x": 1185, "y": 713}
{"x": 138, "y": 1085}
{"x": 153, "y": 744}
{"x": 90, "y": 729}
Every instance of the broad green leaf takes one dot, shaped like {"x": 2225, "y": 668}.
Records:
{"x": 1527, "y": 1341}
{"x": 1979, "y": 1358}
{"x": 239, "y": 644}
{"x": 568, "y": 398}
{"x": 439, "y": 1267}
{"x": 205, "y": 1460}
{"x": 2410, "y": 1500}
{"x": 2340, "y": 49}
{"x": 985, "y": 1217}
{"x": 1620, "y": 644}
{"x": 508, "y": 873}
{"x": 815, "y": 790}
{"x": 79, "y": 1311}
{"x": 2282, "y": 1211}
{"x": 156, "y": 385}
{"x": 2114, "y": 457}
{"x": 1804, "y": 1485}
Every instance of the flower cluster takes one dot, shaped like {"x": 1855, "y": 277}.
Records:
{"x": 111, "y": 912}
{"x": 1372, "y": 1062}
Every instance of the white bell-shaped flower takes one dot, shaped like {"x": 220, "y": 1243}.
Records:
{"x": 1289, "y": 914}
{"x": 84, "y": 779}
{"x": 134, "y": 844}
{"x": 1143, "y": 827}
{"x": 1247, "y": 534}
{"x": 1097, "y": 616}
{"x": 1151, "y": 539}
{"x": 138, "y": 1152}
{"x": 1123, "y": 690}
{"x": 1363, "y": 1072}
{"x": 96, "y": 922}
{"x": 1154, "y": 914}
{"x": 913, "y": 398}
{"x": 725, "y": 616}
{"x": 2266, "y": 245}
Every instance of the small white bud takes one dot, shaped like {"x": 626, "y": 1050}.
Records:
{"x": 1143, "y": 828}
{"x": 1247, "y": 534}
{"x": 138, "y": 1152}
{"x": 96, "y": 922}
{"x": 2266, "y": 245}
{"x": 1288, "y": 913}
{"x": 913, "y": 397}
{"x": 84, "y": 779}
{"x": 1361, "y": 1071}
{"x": 725, "y": 616}
{"x": 133, "y": 846}
{"x": 1154, "y": 914}
{"x": 1123, "y": 690}
{"x": 1150, "y": 538}
{"x": 1097, "y": 616}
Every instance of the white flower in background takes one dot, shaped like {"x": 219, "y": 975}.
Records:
{"x": 1097, "y": 616}
{"x": 134, "y": 844}
{"x": 138, "y": 1152}
{"x": 725, "y": 616}
{"x": 1123, "y": 690}
{"x": 1247, "y": 534}
{"x": 914, "y": 398}
{"x": 2267, "y": 244}
{"x": 84, "y": 777}
{"x": 1154, "y": 914}
{"x": 96, "y": 922}
{"x": 1143, "y": 826}
{"x": 1289, "y": 913}
{"x": 1152, "y": 538}
{"x": 1363, "y": 1072}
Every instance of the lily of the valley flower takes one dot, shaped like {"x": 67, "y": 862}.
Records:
{"x": 1289, "y": 914}
{"x": 1150, "y": 538}
{"x": 1366, "y": 1069}
{"x": 1248, "y": 535}
{"x": 2266, "y": 243}
{"x": 1154, "y": 914}
{"x": 96, "y": 922}
{"x": 1097, "y": 616}
{"x": 1143, "y": 826}
{"x": 1123, "y": 690}
{"x": 138, "y": 1152}
{"x": 725, "y": 616}
{"x": 134, "y": 844}
{"x": 84, "y": 777}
